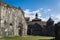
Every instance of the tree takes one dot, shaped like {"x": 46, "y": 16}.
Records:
{"x": 57, "y": 31}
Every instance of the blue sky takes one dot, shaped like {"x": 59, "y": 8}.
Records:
{"x": 44, "y": 8}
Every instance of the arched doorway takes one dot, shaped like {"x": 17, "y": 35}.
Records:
{"x": 34, "y": 29}
{"x": 20, "y": 29}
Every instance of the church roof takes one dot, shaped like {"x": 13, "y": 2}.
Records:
{"x": 50, "y": 20}
{"x": 42, "y": 23}
{"x": 37, "y": 20}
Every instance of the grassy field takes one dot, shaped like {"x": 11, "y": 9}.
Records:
{"x": 26, "y": 38}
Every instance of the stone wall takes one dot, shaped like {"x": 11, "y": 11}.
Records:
{"x": 11, "y": 19}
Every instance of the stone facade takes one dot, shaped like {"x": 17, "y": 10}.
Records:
{"x": 39, "y": 27}
{"x": 12, "y": 21}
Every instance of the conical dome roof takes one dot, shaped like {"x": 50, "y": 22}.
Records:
{"x": 50, "y": 19}
{"x": 36, "y": 18}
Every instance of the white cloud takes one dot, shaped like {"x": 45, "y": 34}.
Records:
{"x": 41, "y": 8}
{"x": 56, "y": 17}
{"x": 27, "y": 11}
{"x": 31, "y": 14}
{"x": 48, "y": 9}
{"x": 44, "y": 19}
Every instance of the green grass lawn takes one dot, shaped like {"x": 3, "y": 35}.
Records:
{"x": 26, "y": 38}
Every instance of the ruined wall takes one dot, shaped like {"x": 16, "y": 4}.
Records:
{"x": 10, "y": 19}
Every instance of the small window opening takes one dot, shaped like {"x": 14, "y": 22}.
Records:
{"x": 11, "y": 24}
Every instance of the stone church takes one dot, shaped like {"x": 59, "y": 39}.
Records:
{"x": 39, "y": 27}
{"x": 12, "y": 20}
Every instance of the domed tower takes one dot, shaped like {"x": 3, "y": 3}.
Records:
{"x": 36, "y": 18}
{"x": 50, "y": 21}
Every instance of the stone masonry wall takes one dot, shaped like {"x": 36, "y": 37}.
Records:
{"x": 10, "y": 17}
